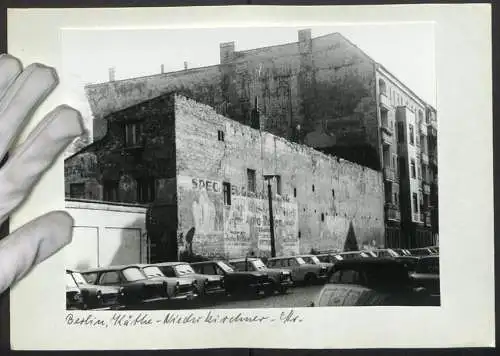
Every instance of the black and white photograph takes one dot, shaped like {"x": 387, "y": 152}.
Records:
{"x": 261, "y": 177}
{"x": 253, "y": 168}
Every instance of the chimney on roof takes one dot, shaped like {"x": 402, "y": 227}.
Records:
{"x": 226, "y": 52}
{"x": 162, "y": 68}
{"x": 305, "y": 42}
{"x": 185, "y": 65}
{"x": 111, "y": 72}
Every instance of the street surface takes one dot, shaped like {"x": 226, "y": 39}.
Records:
{"x": 300, "y": 296}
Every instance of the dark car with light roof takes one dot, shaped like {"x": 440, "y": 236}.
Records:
{"x": 281, "y": 278}
{"x": 137, "y": 288}
{"x": 207, "y": 285}
{"x": 236, "y": 283}
{"x": 94, "y": 296}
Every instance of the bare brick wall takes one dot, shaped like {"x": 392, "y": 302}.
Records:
{"x": 344, "y": 193}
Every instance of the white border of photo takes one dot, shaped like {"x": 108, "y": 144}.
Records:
{"x": 464, "y": 106}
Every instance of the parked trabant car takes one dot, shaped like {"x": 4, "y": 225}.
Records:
{"x": 281, "y": 278}
{"x": 302, "y": 272}
{"x": 314, "y": 260}
{"x": 425, "y": 274}
{"x": 236, "y": 283}
{"x": 137, "y": 288}
{"x": 371, "y": 281}
{"x": 206, "y": 284}
{"x": 94, "y": 296}
{"x": 178, "y": 289}
{"x": 74, "y": 298}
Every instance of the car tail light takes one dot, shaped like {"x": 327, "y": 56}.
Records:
{"x": 77, "y": 297}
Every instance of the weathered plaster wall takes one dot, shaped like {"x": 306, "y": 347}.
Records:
{"x": 344, "y": 193}
{"x": 325, "y": 84}
{"x": 109, "y": 159}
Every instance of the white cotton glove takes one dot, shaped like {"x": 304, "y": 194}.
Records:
{"x": 21, "y": 92}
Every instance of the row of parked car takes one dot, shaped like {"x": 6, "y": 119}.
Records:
{"x": 175, "y": 284}
{"x": 181, "y": 283}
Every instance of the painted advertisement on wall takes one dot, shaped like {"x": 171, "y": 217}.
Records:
{"x": 236, "y": 228}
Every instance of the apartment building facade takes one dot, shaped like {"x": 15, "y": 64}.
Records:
{"x": 408, "y": 132}
{"x": 322, "y": 92}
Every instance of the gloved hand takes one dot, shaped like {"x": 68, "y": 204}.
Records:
{"x": 21, "y": 92}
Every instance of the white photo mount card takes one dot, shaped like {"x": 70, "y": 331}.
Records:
{"x": 265, "y": 177}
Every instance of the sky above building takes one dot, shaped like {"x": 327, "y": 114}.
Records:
{"x": 405, "y": 49}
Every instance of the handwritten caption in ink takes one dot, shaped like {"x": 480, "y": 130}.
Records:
{"x": 172, "y": 318}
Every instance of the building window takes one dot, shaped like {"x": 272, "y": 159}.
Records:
{"x": 426, "y": 201}
{"x": 313, "y": 187}
{"x": 401, "y": 132}
{"x": 300, "y": 234}
{"x": 413, "y": 171}
{"x": 388, "y": 192}
{"x": 322, "y": 217}
{"x": 110, "y": 190}
{"x": 415, "y": 203}
{"x": 295, "y": 192}
{"x": 412, "y": 135}
{"x": 382, "y": 87}
{"x": 133, "y": 134}
{"x": 333, "y": 193}
{"x": 424, "y": 172}
{"x": 220, "y": 135}
{"x": 278, "y": 185}
{"x": 384, "y": 117}
{"x": 226, "y": 188}
{"x": 396, "y": 199}
{"x": 251, "y": 183}
{"x": 146, "y": 190}
{"x": 420, "y": 116}
{"x": 77, "y": 190}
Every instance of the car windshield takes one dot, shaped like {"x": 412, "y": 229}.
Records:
{"x": 300, "y": 261}
{"x": 184, "y": 269}
{"x": 259, "y": 265}
{"x": 79, "y": 278}
{"x": 70, "y": 282}
{"x": 225, "y": 267}
{"x": 153, "y": 271}
{"x": 133, "y": 274}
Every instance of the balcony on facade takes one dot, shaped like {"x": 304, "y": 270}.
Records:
{"x": 425, "y": 218}
{"x": 416, "y": 217}
{"x": 432, "y": 128}
{"x": 384, "y": 100}
{"x": 433, "y": 158}
{"x": 390, "y": 174}
{"x": 426, "y": 187}
{"x": 392, "y": 212}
